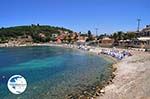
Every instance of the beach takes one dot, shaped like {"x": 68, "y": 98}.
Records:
{"x": 132, "y": 78}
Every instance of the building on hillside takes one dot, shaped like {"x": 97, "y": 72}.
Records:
{"x": 125, "y": 43}
{"x": 60, "y": 38}
{"x": 106, "y": 42}
{"x": 54, "y": 35}
{"x": 143, "y": 40}
{"x": 66, "y": 32}
{"x": 144, "y": 32}
{"x": 82, "y": 40}
{"x": 42, "y": 35}
{"x": 63, "y": 32}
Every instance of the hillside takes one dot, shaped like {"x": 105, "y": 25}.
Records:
{"x": 38, "y": 33}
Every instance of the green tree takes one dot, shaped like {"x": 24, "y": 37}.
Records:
{"x": 120, "y": 35}
{"x": 131, "y": 36}
{"x": 115, "y": 36}
{"x": 90, "y": 37}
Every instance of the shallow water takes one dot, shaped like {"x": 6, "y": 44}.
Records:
{"x": 51, "y": 72}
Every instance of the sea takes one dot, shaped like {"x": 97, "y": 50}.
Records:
{"x": 51, "y": 72}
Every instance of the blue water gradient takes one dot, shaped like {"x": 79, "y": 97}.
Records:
{"x": 51, "y": 72}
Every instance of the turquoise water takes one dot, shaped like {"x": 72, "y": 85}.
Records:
{"x": 51, "y": 72}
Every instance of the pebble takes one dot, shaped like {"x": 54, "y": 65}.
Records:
{"x": 102, "y": 91}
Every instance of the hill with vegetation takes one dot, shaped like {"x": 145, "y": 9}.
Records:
{"x": 38, "y": 33}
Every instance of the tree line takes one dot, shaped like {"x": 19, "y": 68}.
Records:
{"x": 120, "y": 36}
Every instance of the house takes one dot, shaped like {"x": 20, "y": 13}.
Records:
{"x": 106, "y": 42}
{"x": 81, "y": 39}
{"x": 42, "y": 35}
{"x": 54, "y": 35}
{"x": 125, "y": 43}
{"x": 143, "y": 40}
{"x": 60, "y": 38}
{"x": 144, "y": 32}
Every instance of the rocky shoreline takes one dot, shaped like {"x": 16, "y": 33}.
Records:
{"x": 92, "y": 92}
{"x": 132, "y": 78}
{"x": 129, "y": 80}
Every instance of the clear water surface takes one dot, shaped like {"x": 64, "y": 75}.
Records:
{"x": 51, "y": 72}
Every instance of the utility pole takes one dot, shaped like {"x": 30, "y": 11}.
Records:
{"x": 96, "y": 31}
{"x": 138, "y": 27}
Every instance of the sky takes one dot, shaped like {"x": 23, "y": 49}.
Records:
{"x": 79, "y": 15}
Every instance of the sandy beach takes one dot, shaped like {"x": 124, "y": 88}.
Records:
{"x": 132, "y": 79}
